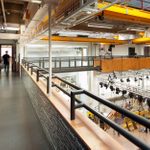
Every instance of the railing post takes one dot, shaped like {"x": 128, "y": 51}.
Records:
{"x": 31, "y": 70}
{"x": 75, "y": 63}
{"x": 37, "y": 75}
{"x": 60, "y": 63}
{"x": 55, "y": 63}
{"x": 82, "y": 61}
{"x": 93, "y": 62}
{"x": 39, "y": 63}
{"x": 47, "y": 85}
{"x": 28, "y": 66}
{"x": 43, "y": 65}
{"x": 72, "y": 113}
{"x": 88, "y": 62}
{"x": 69, "y": 63}
{"x": 25, "y": 64}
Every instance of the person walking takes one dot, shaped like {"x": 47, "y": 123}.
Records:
{"x": 6, "y": 59}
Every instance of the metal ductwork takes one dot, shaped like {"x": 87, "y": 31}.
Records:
{"x": 32, "y": 1}
{"x": 4, "y": 15}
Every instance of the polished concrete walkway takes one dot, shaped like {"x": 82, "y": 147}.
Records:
{"x": 19, "y": 127}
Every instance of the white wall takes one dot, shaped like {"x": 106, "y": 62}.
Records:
{"x": 59, "y": 49}
{"x": 123, "y": 49}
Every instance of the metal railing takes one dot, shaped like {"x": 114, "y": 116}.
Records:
{"x": 61, "y": 63}
{"x": 76, "y": 103}
{"x": 120, "y": 56}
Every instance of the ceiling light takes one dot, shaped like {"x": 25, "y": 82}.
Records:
{"x": 36, "y": 1}
{"x": 117, "y": 90}
{"x": 12, "y": 28}
{"x": 112, "y": 88}
{"x": 101, "y": 84}
{"x": 106, "y": 86}
{"x": 131, "y": 95}
{"x": 105, "y": 26}
{"x": 124, "y": 92}
{"x": 121, "y": 80}
{"x": 136, "y": 29}
{"x": 88, "y": 12}
{"x": 128, "y": 80}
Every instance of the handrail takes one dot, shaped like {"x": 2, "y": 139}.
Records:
{"x": 61, "y": 64}
{"x": 79, "y": 91}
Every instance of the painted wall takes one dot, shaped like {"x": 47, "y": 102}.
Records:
{"x": 59, "y": 49}
{"x": 123, "y": 49}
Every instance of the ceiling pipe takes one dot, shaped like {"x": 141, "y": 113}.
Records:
{"x": 32, "y": 1}
{"x": 4, "y": 15}
{"x": 74, "y": 14}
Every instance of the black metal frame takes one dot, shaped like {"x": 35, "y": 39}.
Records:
{"x": 73, "y": 106}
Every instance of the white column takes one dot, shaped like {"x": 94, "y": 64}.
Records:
{"x": 49, "y": 45}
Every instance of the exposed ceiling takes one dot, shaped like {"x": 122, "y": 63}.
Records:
{"x": 98, "y": 22}
{"x": 94, "y": 17}
{"x": 13, "y": 14}
{"x": 14, "y": 11}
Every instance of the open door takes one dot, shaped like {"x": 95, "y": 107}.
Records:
{"x": 11, "y": 49}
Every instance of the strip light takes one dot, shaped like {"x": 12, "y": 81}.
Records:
{"x": 136, "y": 29}
{"x": 100, "y": 26}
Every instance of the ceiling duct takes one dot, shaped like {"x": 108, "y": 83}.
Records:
{"x": 27, "y": 35}
{"x": 84, "y": 13}
{"x": 32, "y": 1}
{"x": 4, "y": 15}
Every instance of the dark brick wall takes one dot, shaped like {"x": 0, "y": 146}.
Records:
{"x": 60, "y": 135}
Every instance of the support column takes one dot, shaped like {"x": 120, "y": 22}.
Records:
{"x": 0, "y": 56}
{"x": 49, "y": 44}
{"x": 24, "y": 51}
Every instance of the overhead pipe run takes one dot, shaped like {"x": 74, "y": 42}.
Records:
{"x": 32, "y": 1}
{"x": 4, "y": 15}
{"x": 84, "y": 7}
{"x": 82, "y": 39}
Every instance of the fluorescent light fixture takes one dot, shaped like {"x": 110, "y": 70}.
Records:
{"x": 72, "y": 33}
{"x": 12, "y": 28}
{"x": 36, "y": 1}
{"x": 54, "y": 46}
{"x": 105, "y": 26}
{"x": 135, "y": 29}
{"x": 88, "y": 12}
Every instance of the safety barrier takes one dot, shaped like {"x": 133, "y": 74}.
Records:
{"x": 76, "y": 103}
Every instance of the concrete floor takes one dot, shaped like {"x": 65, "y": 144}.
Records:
{"x": 19, "y": 127}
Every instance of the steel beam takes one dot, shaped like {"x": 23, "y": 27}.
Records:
{"x": 141, "y": 40}
{"x": 80, "y": 39}
{"x": 124, "y": 13}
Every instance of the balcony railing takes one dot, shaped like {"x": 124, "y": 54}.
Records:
{"x": 76, "y": 102}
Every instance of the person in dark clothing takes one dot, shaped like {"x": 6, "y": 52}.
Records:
{"x": 6, "y": 58}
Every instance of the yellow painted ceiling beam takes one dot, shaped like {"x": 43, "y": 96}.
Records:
{"x": 125, "y": 13}
{"x": 141, "y": 40}
{"x": 82, "y": 39}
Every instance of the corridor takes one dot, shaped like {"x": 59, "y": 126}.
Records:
{"x": 20, "y": 128}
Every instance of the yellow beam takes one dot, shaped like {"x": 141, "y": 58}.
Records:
{"x": 125, "y": 13}
{"x": 141, "y": 40}
{"x": 82, "y": 39}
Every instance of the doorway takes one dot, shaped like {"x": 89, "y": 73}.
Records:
{"x": 147, "y": 51}
{"x": 131, "y": 51}
{"x": 7, "y": 48}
